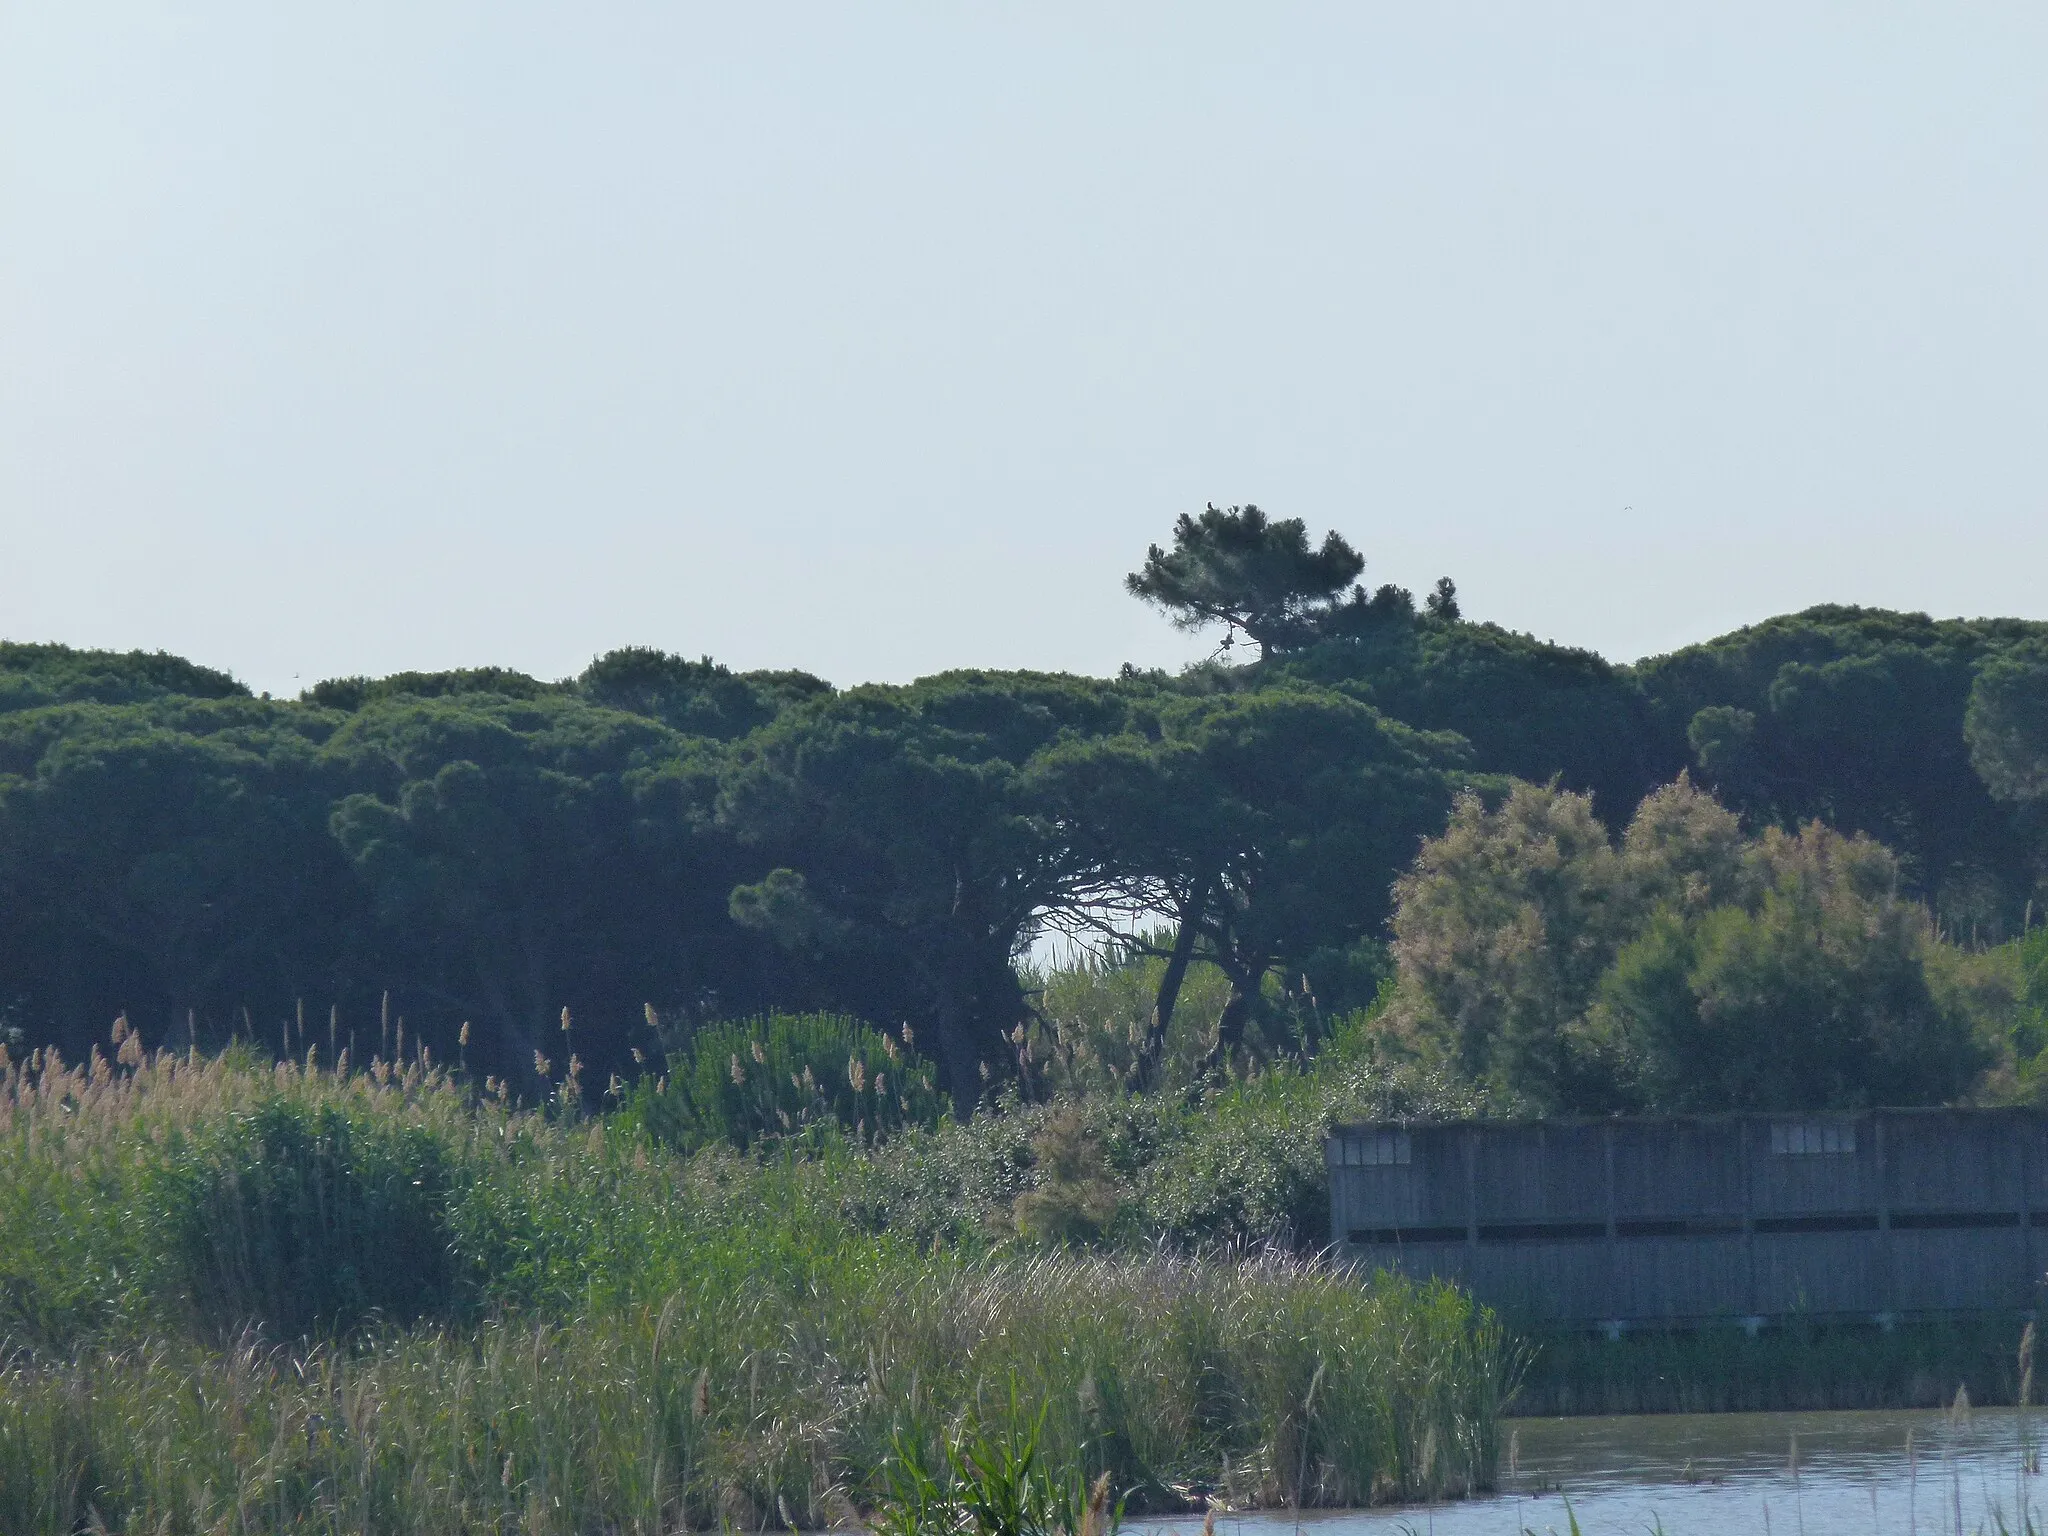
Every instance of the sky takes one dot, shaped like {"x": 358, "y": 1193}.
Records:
{"x": 881, "y": 339}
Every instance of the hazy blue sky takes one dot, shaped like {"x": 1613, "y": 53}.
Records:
{"x": 877, "y": 339}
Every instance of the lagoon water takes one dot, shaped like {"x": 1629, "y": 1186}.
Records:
{"x": 1728, "y": 1475}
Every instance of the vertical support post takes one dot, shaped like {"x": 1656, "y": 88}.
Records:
{"x": 1615, "y": 1296}
{"x": 1748, "y": 1214}
{"x": 2027, "y": 1127}
{"x": 1607, "y": 1138}
{"x": 1887, "y": 1283}
{"x": 1333, "y": 1166}
{"x": 1472, "y": 1189}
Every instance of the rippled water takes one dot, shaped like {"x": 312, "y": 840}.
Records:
{"x": 1711, "y": 1474}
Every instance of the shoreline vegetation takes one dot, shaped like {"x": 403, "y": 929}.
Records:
{"x": 834, "y": 1194}
{"x": 571, "y": 1326}
{"x": 568, "y": 1327}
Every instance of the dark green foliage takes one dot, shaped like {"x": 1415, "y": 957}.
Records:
{"x": 1263, "y": 823}
{"x": 352, "y": 693}
{"x": 207, "y": 865}
{"x": 1240, "y": 568}
{"x": 780, "y": 905}
{"x": 1853, "y": 716}
{"x": 697, "y": 698}
{"x": 1526, "y": 708}
{"x": 1858, "y": 717}
{"x": 501, "y": 852}
{"x": 35, "y": 675}
{"x": 1815, "y": 999}
{"x": 911, "y": 816}
{"x": 1389, "y": 609}
{"x": 306, "y": 1219}
{"x": 770, "y": 1078}
{"x": 483, "y": 847}
{"x": 162, "y": 857}
{"x": 2007, "y": 723}
{"x": 1344, "y": 979}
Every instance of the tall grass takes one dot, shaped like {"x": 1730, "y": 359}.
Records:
{"x": 244, "y": 1297}
{"x": 1175, "y": 1378}
{"x": 764, "y": 1079}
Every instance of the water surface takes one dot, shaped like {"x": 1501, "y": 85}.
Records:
{"x": 1717, "y": 1474}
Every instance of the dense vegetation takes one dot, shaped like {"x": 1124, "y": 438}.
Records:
{"x": 487, "y": 848}
{"x": 1690, "y": 967}
{"x": 646, "y": 1098}
{"x": 549, "y": 1323}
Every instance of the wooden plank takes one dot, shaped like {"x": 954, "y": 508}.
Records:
{"x": 1951, "y": 1162}
{"x": 1948, "y": 1270}
{"x": 1677, "y": 1168}
{"x": 1671, "y": 1278}
{"x": 1818, "y": 1272}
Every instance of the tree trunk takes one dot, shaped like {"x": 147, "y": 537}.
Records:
{"x": 1177, "y": 963}
{"x": 958, "y": 1059}
{"x": 1245, "y": 979}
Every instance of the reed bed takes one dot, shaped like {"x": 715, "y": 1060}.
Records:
{"x": 246, "y": 1297}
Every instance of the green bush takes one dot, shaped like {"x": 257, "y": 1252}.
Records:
{"x": 305, "y": 1217}
{"x": 1075, "y": 1199}
{"x": 1246, "y": 1165}
{"x": 1240, "y": 1167}
{"x": 764, "y": 1079}
{"x": 955, "y": 1183}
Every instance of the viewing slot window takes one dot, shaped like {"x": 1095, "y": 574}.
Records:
{"x": 1380, "y": 1149}
{"x": 1812, "y": 1138}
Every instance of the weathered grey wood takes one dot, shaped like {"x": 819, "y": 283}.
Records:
{"x": 1704, "y": 1217}
{"x": 1673, "y": 1168}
